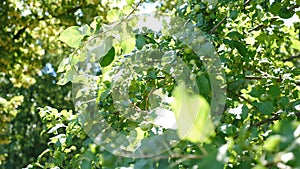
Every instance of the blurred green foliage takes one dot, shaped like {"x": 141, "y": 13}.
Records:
{"x": 259, "y": 127}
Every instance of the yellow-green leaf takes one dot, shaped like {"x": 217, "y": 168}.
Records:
{"x": 128, "y": 44}
{"x": 73, "y": 35}
{"x": 129, "y": 2}
{"x": 112, "y": 15}
{"x": 192, "y": 114}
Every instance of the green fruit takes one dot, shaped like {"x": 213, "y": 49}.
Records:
{"x": 188, "y": 50}
{"x": 264, "y": 97}
{"x": 113, "y": 134}
{"x": 149, "y": 126}
{"x": 196, "y": 29}
{"x": 209, "y": 9}
{"x": 144, "y": 127}
{"x": 107, "y": 159}
{"x": 197, "y": 8}
{"x": 207, "y": 18}
{"x": 193, "y": 62}
{"x": 201, "y": 40}
{"x": 200, "y": 74}
{"x": 192, "y": 77}
{"x": 177, "y": 150}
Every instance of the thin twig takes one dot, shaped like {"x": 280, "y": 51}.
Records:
{"x": 223, "y": 20}
{"x": 262, "y": 77}
{"x": 274, "y": 118}
{"x": 269, "y": 120}
{"x": 248, "y": 101}
{"x": 247, "y": 2}
{"x": 293, "y": 7}
{"x": 123, "y": 20}
{"x": 262, "y": 25}
{"x": 101, "y": 33}
{"x": 216, "y": 26}
{"x": 190, "y": 156}
{"x": 291, "y": 58}
{"x": 184, "y": 158}
{"x": 147, "y": 98}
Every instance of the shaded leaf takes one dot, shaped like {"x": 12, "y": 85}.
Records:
{"x": 285, "y": 13}
{"x": 85, "y": 164}
{"x": 140, "y": 41}
{"x": 108, "y": 58}
{"x": 233, "y": 14}
{"x": 275, "y": 7}
{"x": 241, "y": 48}
{"x": 266, "y": 108}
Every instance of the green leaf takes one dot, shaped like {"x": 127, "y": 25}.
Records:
{"x": 284, "y": 101}
{"x": 192, "y": 113}
{"x": 272, "y": 142}
{"x": 85, "y": 164}
{"x": 104, "y": 95}
{"x": 108, "y": 58}
{"x": 285, "y": 13}
{"x": 63, "y": 64}
{"x": 275, "y": 7}
{"x": 129, "y": 2}
{"x": 128, "y": 44}
{"x": 233, "y": 14}
{"x": 259, "y": 166}
{"x": 68, "y": 76}
{"x": 274, "y": 91}
{"x": 203, "y": 84}
{"x": 266, "y": 108}
{"x": 140, "y": 41}
{"x": 112, "y": 15}
{"x": 241, "y": 48}
{"x": 295, "y": 44}
{"x": 211, "y": 161}
{"x": 73, "y": 35}
{"x": 245, "y": 111}
{"x": 102, "y": 49}
{"x": 235, "y": 35}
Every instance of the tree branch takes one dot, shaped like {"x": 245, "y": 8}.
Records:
{"x": 291, "y": 58}
{"x": 274, "y": 118}
{"x": 216, "y": 26}
{"x": 248, "y": 101}
{"x": 269, "y": 120}
{"x": 293, "y": 7}
{"x": 247, "y": 2}
{"x": 223, "y": 20}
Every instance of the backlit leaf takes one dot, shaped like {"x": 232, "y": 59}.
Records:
{"x": 128, "y": 44}
{"x": 129, "y": 2}
{"x": 73, "y": 35}
{"x": 192, "y": 113}
{"x": 102, "y": 49}
{"x": 112, "y": 16}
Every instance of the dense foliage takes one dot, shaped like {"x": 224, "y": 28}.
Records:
{"x": 30, "y": 54}
{"x": 122, "y": 76}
